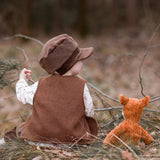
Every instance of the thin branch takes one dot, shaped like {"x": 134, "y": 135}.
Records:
{"x": 120, "y": 107}
{"x": 155, "y": 99}
{"x": 151, "y": 123}
{"x": 24, "y": 36}
{"x": 26, "y": 57}
{"x": 103, "y": 94}
{"x": 126, "y": 146}
{"x": 145, "y": 55}
{"x": 154, "y": 46}
{"x": 95, "y": 88}
{"x": 107, "y": 109}
{"x": 110, "y": 111}
{"x": 7, "y": 120}
{"x": 151, "y": 110}
{"x": 112, "y": 121}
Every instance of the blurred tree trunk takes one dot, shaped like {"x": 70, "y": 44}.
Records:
{"x": 82, "y": 18}
{"x": 132, "y": 13}
{"x": 114, "y": 13}
{"x": 25, "y": 28}
{"x": 8, "y": 17}
{"x": 58, "y": 24}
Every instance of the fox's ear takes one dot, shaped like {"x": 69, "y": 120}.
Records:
{"x": 145, "y": 101}
{"x": 123, "y": 100}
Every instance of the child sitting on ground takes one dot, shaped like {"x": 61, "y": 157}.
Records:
{"x": 62, "y": 106}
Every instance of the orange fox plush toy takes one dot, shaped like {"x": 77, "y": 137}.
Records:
{"x": 129, "y": 130}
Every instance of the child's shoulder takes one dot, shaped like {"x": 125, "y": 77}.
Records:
{"x": 63, "y": 78}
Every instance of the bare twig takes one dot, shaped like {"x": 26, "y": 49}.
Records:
{"x": 120, "y": 107}
{"x": 21, "y": 117}
{"x": 103, "y": 94}
{"x": 10, "y": 119}
{"x": 110, "y": 111}
{"x": 154, "y": 46}
{"x": 127, "y": 146}
{"x": 151, "y": 110}
{"x": 107, "y": 109}
{"x": 155, "y": 99}
{"x": 24, "y": 36}
{"x": 151, "y": 123}
{"x": 95, "y": 88}
{"x": 145, "y": 55}
{"x": 26, "y": 57}
{"x": 112, "y": 121}
{"x": 7, "y": 120}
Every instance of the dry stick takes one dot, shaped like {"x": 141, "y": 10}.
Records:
{"x": 154, "y": 100}
{"x": 104, "y": 106}
{"x": 150, "y": 123}
{"x": 10, "y": 119}
{"x": 7, "y": 120}
{"x": 107, "y": 109}
{"x": 145, "y": 55}
{"x": 119, "y": 107}
{"x": 154, "y": 46}
{"x": 154, "y": 97}
{"x": 151, "y": 110}
{"x": 108, "y": 142}
{"x": 24, "y": 36}
{"x": 110, "y": 111}
{"x": 103, "y": 94}
{"x": 25, "y": 55}
{"x": 111, "y": 121}
{"x": 127, "y": 146}
{"x": 27, "y": 59}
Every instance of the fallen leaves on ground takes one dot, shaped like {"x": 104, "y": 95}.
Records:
{"x": 127, "y": 155}
{"x": 61, "y": 153}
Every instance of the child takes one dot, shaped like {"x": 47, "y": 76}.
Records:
{"x": 62, "y": 106}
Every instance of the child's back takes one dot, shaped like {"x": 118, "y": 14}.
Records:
{"x": 59, "y": 112}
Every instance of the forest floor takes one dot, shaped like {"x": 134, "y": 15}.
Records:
{"x": 114, "y": 69}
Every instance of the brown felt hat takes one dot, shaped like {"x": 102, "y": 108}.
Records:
{"x": 60, "y": 53}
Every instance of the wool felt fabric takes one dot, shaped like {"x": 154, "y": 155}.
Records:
{"x": 129, "y": 130}
{"x": 58, "y": 115}
{"x": 26, "y": 95}
{"x": 60, "y": 53}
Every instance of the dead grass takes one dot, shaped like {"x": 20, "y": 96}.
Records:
{"x": 114, "y": 69}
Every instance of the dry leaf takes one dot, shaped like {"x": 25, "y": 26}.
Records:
{"x": 61, "y": 153}
{"x": 127, "y": 155}
{"x": 37, "y": 158}
{"x": 38, "y": 148}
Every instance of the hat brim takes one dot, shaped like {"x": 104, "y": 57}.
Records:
{"x": 82, "y": 54}
{"x": 85, "y": 53}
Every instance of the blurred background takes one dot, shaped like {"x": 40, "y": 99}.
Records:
{"x": 120, "y": 32}
{"x": 83, "y": 17}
